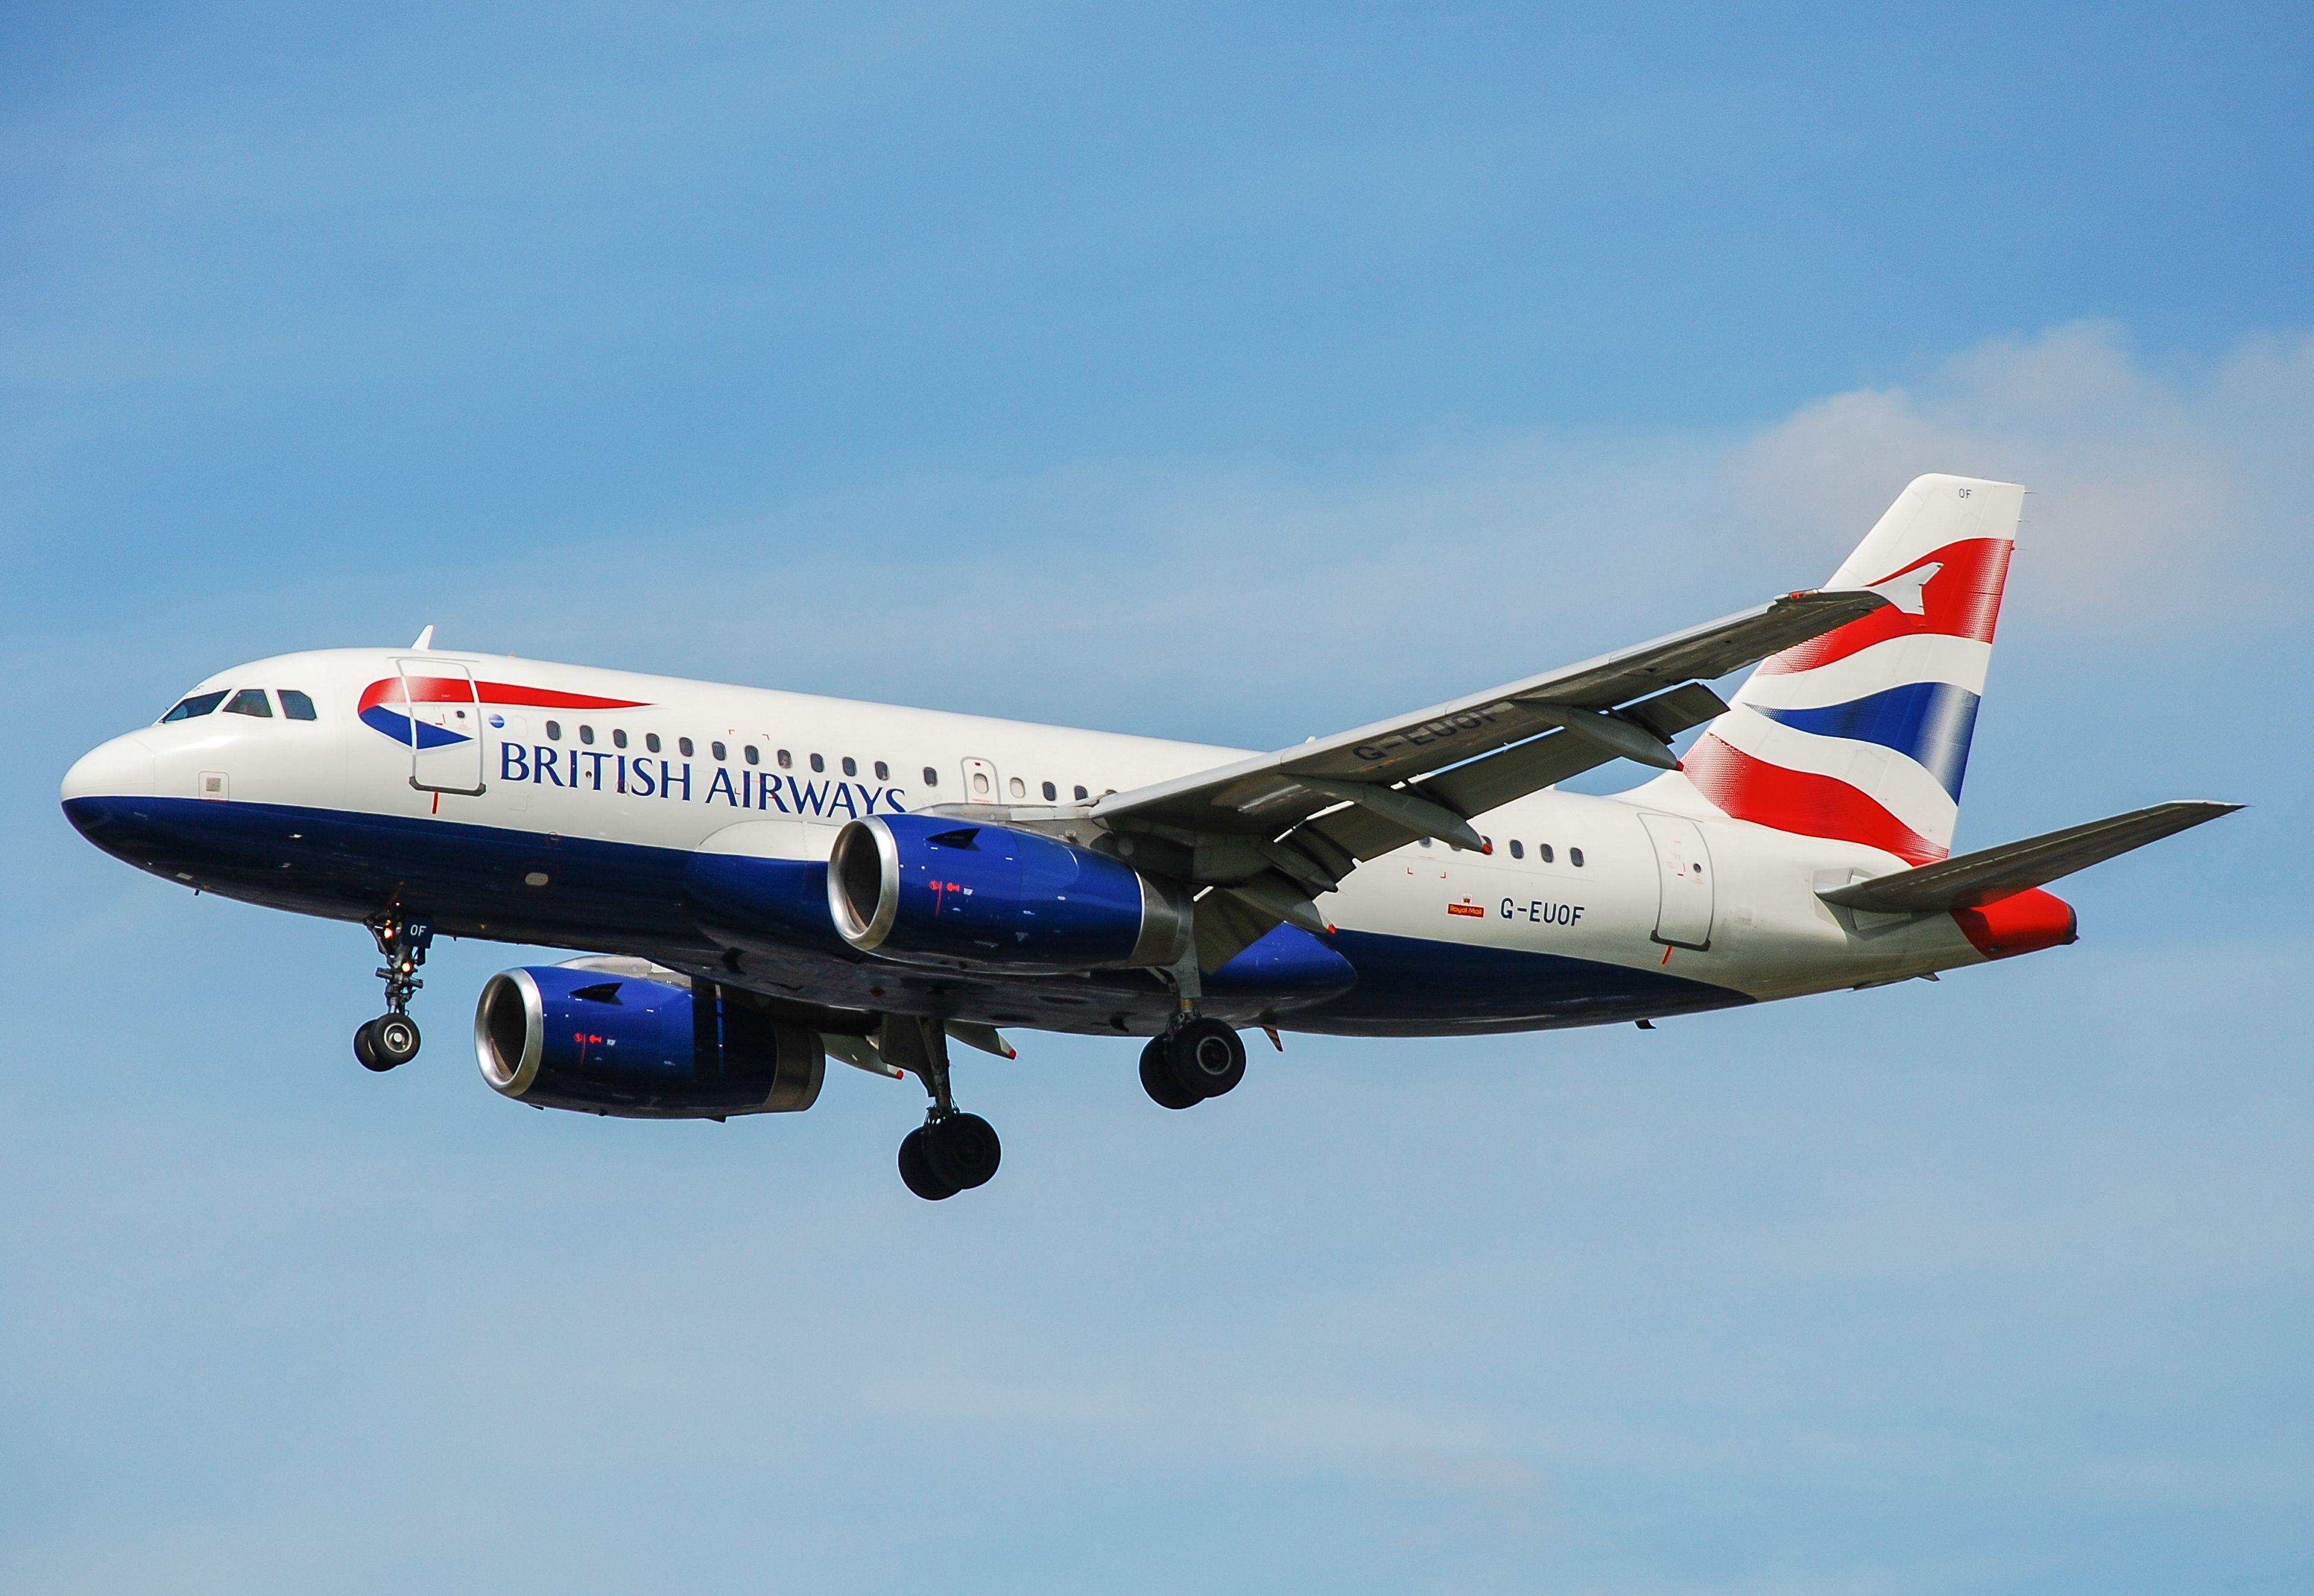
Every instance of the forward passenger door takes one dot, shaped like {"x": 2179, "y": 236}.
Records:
{"x": 446, "y": 726}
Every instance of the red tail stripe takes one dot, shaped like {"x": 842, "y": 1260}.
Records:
{"x": 1962, "y": 600}
{"x": 1799, "y": 801}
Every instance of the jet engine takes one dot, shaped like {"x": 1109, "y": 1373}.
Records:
{"x": 928, "y": 889}
{"x": 573, "y": 1036}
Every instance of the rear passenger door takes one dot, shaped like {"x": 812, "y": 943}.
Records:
{"x": 446, "y": 726}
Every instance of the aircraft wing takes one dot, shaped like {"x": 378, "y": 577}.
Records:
{"x": 1976, "y": 879}
{"x": 1274, "y": 831}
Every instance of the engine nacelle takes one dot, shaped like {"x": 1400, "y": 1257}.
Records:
{"x": 928, "y": 889}
{"x": 561, "y": 1036}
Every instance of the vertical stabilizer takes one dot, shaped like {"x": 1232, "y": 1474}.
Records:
{"x": 1863, "y": 734}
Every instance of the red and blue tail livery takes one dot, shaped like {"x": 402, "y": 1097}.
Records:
{"x": 1862, "y": 733}
{"x": 758, "y": 882}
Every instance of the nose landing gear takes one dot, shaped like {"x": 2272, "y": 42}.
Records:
{"x": 392, "y": 1038}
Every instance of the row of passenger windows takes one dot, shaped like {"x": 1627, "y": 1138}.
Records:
{"x": 1542, "y": 852}
{"x": 785, "y": 760}
{"x": 245, "y": 701}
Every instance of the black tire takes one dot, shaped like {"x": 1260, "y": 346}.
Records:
{"x": 366, "y": 1048}
{"x": 962, "y": 1149}
{"x": 394, "y": 1038}
{"x": 1157, "y": 1079}
{"x": 916, "y": 1170}
{"x": 1207, "y": 1057}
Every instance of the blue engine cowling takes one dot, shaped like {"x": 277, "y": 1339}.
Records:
{"x": 933, "y": 890}
{"x": 560, "y": 1037}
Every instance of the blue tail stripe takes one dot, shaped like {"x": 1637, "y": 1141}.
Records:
{"x": 1928, "y": 721}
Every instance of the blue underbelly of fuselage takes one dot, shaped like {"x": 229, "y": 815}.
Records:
{"x": 523, "y": 887}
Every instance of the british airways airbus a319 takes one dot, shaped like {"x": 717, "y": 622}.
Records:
{"x": 768, "y": 880}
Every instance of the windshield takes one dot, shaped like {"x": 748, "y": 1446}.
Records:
{"x": 200, "y": 703}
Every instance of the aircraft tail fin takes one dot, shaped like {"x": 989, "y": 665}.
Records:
{"x": 1863, "y": 734}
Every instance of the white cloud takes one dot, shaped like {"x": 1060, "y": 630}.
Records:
{"x": 1149, "y": 598}
{"x": 2161, "y": 500}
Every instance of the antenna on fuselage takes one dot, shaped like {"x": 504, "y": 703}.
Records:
{"x": 424, "y": 639}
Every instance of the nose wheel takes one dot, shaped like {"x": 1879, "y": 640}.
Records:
{"x": 1203, "y": 1059}
{"x": 386, "y": 1042}
{"x": 390, "y": 1040}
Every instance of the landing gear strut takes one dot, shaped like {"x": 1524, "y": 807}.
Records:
{"x": 1200, "y": 1059}
{"x": 392, "y": 1038}
{"x": 952, "y": 1151}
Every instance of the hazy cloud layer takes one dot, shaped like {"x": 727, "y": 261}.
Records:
{"x": 2166, "y": 503}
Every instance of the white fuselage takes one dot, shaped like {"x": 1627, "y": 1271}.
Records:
{"x": 776, "y": 774}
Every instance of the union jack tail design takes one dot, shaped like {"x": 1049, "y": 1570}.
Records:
{"x": 1863, "y": 734}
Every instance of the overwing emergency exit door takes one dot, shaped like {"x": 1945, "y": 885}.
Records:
{"x": 446, "y": 726}
{"x": 1683, "y": 877}
{"x": 980, "y": 783}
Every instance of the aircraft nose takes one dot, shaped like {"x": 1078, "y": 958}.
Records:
{"x": 122, "y": 768}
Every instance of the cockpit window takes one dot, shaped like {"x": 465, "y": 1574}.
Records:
{"x": 200, "y": 703}
{"x": 250, "y": 701}
{"x": 296, "y": 705}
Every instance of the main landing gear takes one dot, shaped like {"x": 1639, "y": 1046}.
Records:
{"x": 392, "y": 1038}
{"x": 1201, "y": 1059}
{"x": 952, "y": 1151}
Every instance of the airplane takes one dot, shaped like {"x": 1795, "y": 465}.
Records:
{"x": 762, "y": 881}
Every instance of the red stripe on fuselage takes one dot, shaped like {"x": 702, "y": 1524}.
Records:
{"x": 1799, "y": 801}
{"x": 1962, "y": 600}
{"x": 454, "y": 690}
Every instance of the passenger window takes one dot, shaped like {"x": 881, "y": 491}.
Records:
{"x": 1423, "y": 841}
{"x": 752, "y": 756}
{"x": 932, "y": 776}
{"x": 587, "y": 735}
{"x": 1542, "y": 852}
{"x": 650, "y": 742}
{"x": 1518, "y": 849}
{"x": 1051, "y": 792}
{"x": 851, "y": 765}
{"x": 297, "y": 706}
{"x": 200, "y": 703}
{"x": 1575, "y": 856}
{"x": 554, "y": 731}
{"x": 1019, "y": 788}
{"x": 250, "y": 701}
{"x": 683, "y": 745}
{"x": 787, "y": 760}
{"x": 883, "y": 771}
{"x": 819, "y": 764}
{"x": 618, "y": 737}
{"x": 1082, "y": 794}
{"x": 716, "y": 749}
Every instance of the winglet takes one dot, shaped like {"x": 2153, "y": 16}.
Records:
{"x": 425, "y": 638}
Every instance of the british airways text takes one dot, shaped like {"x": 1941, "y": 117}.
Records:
{"x": 591, "y": 771}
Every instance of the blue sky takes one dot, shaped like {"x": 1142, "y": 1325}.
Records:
{"x": 1212, "y": 373}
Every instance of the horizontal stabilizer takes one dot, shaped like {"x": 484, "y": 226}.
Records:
{"x": 1975, "y": 879}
